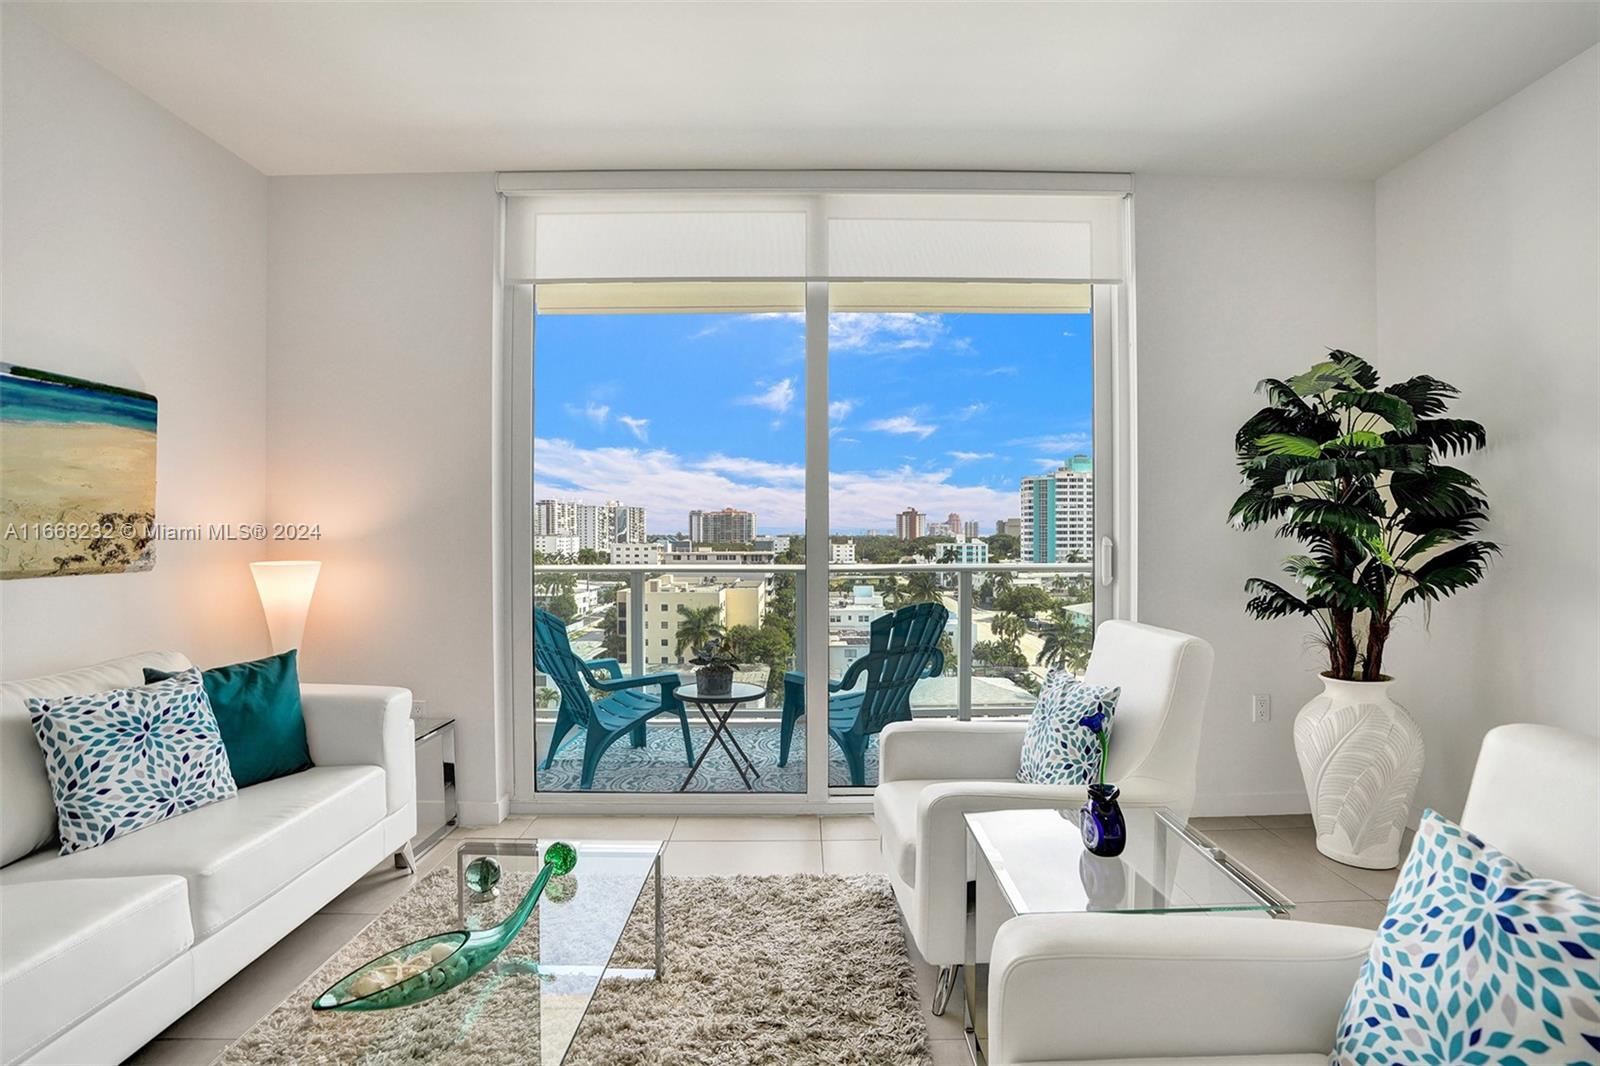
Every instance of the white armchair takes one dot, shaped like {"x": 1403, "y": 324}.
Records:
{"x": 1212, "y": 989}
{"x": 933, "y": 772}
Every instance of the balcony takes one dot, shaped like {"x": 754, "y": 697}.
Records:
{"x": 999, "y": 644}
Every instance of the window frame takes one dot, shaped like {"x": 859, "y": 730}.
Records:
{"x": 1113, "y": 431}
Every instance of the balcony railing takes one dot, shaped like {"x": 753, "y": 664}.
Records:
{"x": 962, "y": 577}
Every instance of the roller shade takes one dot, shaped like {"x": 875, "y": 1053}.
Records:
{"x": 767, "y": 235}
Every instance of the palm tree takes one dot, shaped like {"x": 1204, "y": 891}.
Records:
{"x": 1008, "y": 627}
{"x": 922, "y": 587}
{"x": 698, "y": 627}
{"x": 893, "y": 590}
{"x": 1066, "y": 643}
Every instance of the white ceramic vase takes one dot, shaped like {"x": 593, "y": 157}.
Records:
{"x": 1361, "y": 756}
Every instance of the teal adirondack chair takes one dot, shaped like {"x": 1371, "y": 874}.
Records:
{"x": 904, "y": 649}
{"x": 624, "y": 710}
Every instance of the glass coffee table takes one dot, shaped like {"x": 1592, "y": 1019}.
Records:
{"x": 1034, "y": 862}
{"x": 555, "y": 965}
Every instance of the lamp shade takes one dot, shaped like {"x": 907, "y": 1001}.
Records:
{"x": 285, "y": 589}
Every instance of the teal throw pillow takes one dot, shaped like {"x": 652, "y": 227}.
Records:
{"x": 121, "y": 760}
{"x": 257, "y": 705}
{"x": 1477, "y": 962}
{"x": 1062, "y": 743}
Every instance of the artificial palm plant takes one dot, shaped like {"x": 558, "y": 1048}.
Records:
{"x": 1357, "y": 473}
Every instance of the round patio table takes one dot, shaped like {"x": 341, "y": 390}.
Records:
{"x": 717, "y": 710}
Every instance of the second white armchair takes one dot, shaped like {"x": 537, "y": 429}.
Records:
{"x": 934, "y": 772}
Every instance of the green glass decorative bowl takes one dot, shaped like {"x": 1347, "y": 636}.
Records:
{"x": 425, "y": 968}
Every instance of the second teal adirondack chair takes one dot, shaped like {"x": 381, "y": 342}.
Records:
{"x": 904, "y": 648}
{"x": 624, "y": 710}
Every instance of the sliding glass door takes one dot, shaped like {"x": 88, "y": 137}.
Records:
{"x": 813, "y": 437}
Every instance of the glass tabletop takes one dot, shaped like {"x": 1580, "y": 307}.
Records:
{"x": 554, "y": 966}
{"x": 1042, "y": 867}
{"x": 739, "y": 693}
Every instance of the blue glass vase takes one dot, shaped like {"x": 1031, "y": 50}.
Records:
{"x": 1104, "y": 831}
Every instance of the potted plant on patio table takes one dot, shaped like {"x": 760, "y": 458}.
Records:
{"x": 716, "y": 664}
{"x": 1356, "y": 473}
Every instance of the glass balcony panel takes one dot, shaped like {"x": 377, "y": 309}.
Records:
{"x": 949, "y": 402}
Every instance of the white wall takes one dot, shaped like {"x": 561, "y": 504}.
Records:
{"x": 1487, "y": 278}
{"x": 134, "y": 254}
{"x": 380, "y": 401}
{"x": 1237, "y": 280}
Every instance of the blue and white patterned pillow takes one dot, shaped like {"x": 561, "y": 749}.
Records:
{"x": 124, "y": 759}
{"x": 1477, "y": 961}
{"x": 1058, "y": 749}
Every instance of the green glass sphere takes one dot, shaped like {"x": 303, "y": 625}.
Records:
{"x": 561, "y": 858}
{"x": 482, "y": 875}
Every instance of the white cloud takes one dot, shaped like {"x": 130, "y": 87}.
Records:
{"x": 972, "y": 410}
{"x": 970, "y": 457}
{"x": 1057, "y": 442}
{"x": 871, "y": 331}
{"x": 752, "y": 469}
{"x": 668, "y": 486}
{"x": 594, "y": 412}
{"x": 992, "y": 371}
{"x": 838, "y": 410}
{"x": 639, "y": 426}
{"x": 777, "y": 397}
{"x": 902, "y": 425}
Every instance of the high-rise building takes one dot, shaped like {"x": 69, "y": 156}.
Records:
{"x": 910, "y": 524}
{"x": 727, "y": 526}
{"x": 596, "y": 525}
{"x": 555, "y": 518}
{"x": 969, "y": 529}
{"x": 1058, "y": 513}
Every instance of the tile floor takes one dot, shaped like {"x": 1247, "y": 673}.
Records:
{"x": 1279, "y": 848}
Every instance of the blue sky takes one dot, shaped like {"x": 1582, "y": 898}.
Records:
{"x": 938, "y": 412}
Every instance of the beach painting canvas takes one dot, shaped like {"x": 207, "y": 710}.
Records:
{"x": 77, "y": 476}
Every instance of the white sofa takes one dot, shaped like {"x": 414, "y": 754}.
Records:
{"x": 1095, "y": 989}
{"x": 934, "y": 772}
{"x": 102, "y": 949}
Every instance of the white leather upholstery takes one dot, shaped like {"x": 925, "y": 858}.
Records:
{"x": 237, "y": 852}
{"x": 1205, "y": 986}
{"x": 30, "y": 810}
{"x": 1535, "y": 795}
{"x": 934, "y": 772}
{"x": 102, "y": 949}
{"x": 66, "y": 948}
{"x": 365, "y": 725}
{"x": 1195, "y": 989}
{"x": 894, "y": 809}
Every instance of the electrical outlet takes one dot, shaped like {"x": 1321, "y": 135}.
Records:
{"x": 1261, "y": 707}
{"x": 419, "y": 708}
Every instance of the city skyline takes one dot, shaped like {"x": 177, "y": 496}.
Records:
{"x": 943, "y": 412}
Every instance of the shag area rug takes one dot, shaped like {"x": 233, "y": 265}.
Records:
{"x": 778, "y": 971}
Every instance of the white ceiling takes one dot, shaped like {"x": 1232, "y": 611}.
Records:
{"x": 1330, "y": 89}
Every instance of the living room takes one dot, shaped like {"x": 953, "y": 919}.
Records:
{"x": 906, "y": 533}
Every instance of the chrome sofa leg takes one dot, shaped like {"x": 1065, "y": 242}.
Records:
{"x": 941, "y": 991}
{"x": 405, "y": 858}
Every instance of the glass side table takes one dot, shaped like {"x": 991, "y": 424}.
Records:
{"x": 436, "y": 780}
{"x": 1034, "y": 862}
